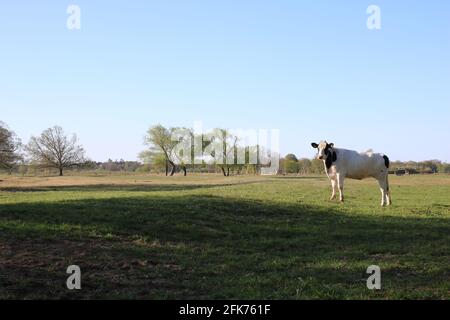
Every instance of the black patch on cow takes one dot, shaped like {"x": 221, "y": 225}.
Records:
{"x": 329, "y": 162}
{"x": 386, "y": 161}
{"x": 331, "y": 156}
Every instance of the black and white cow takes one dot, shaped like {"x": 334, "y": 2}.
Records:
{"x": 342, "y": 163}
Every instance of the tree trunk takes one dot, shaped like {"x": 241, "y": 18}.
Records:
{"x": 228, "y": 171}
{"x": 173, "y": 168}
{"x": 223, "y": 171}
{"x": 167, "y": 168}
{"x": 60, "y": 172}
{"x": 184, "y": 171}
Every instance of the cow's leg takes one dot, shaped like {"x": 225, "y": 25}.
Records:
{"x": 388, "y": 191}
{"x": 383, "y": 188}
{"x": 333, "y": 187}
{"x": 340, "y": 182}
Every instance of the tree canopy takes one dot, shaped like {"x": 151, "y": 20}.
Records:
{"x": 53, "y": 149}
{"x": 10, "y": 146}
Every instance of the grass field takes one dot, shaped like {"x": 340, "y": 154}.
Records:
{"x": 206, "y": 236}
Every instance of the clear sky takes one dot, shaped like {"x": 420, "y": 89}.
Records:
{"x": 309, "y": 68}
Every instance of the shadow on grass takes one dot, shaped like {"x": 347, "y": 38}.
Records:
{"x": 137, "y": 187}
{"x": 216, "y": 247}
{"x": 300, "y": 177}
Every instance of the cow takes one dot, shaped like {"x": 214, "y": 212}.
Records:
{"x": 342, "y": 163}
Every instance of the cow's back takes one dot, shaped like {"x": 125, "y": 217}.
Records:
{"x": 359, "y": 165}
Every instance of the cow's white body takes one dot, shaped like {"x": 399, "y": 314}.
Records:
{"x": 354, "y": 165}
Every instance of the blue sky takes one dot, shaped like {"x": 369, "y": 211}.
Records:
{"x": 309, "y": 68}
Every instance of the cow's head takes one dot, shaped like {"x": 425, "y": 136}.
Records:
{"x": 323, "y": 149}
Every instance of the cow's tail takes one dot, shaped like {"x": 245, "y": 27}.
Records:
{"x": 387, "y": 182}
{"x": 387, "y": 162}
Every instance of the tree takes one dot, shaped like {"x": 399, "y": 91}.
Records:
{"x": 224, "y": 150}
{"x": 183, "y": 153}
{"x": 291, "y": 157}
{"x": 9, "y": 148}
{"x": 159, "y": 140}
{"x": 445, "y": 168}
{"x": 317, "y": 166}
{"x": 252, "y": 164}
{"x": 154, "y": 161}
{"x": 289, "y": 163}
{"x": 304, "y": 166}
{"x": 53, "y": 149}
{"x": 432, "y": 165}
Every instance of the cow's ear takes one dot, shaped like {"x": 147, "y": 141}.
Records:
{"x": 331, "y": 145}
{"x": 314, "y": 145}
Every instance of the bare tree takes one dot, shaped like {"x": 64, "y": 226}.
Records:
{"x": 9, "y": 148}
{"x": 53, "y": 149}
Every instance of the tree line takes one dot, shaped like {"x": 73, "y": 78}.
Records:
{"x": 218, "y": 150}
{"x": 54, "y": 150}
{"x": 290, "y": 164}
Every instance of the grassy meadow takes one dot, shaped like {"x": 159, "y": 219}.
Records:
{"x": 207, "y": 236}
